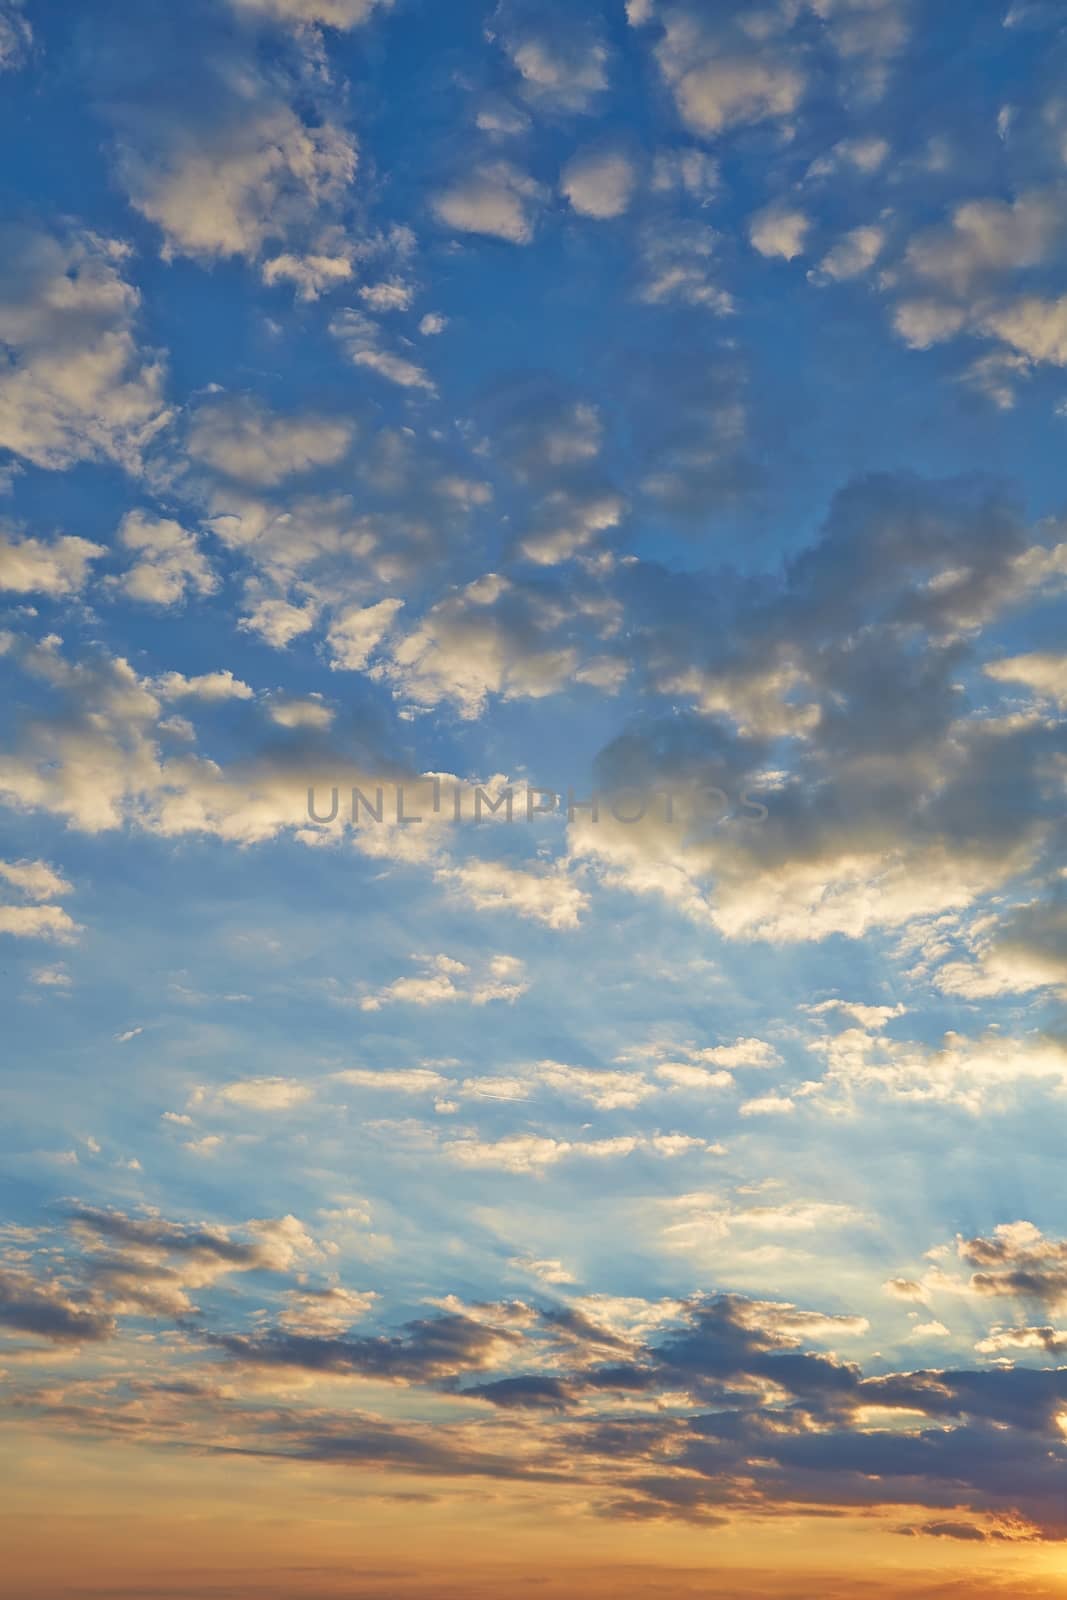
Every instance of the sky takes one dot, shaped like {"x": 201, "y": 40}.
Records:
{"x": 533, "y": 889}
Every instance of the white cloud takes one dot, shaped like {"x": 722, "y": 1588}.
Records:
{"x": 446, "y": 981}
{"x": 394, "y": 1080}
{"x": 768, "y": 1105}
{"x": 1043, "y": 671}
{"x": 255, "y": 1094}
{"x": 853, "y": 254}
{"x": 278, "y": 622}
{"x": 32, "y": 566}
{"x": 550, "y": 897}
{"x": 562, "y": 65}
{"x": 356, "y": 632}
{"x": 721, "y": 84}
{"x": 169, "y": 565}
{"x": 779, "y": 231}
{"x": 207, "y": 686}
{"x": 245, "y": 442}
{"x": 309, "y": 713}
{"x": 330, "y": 13}
{"x": 392, "y": 295}
{"x": 35, "y": 879}
{"x": 924, "y": 322}
{"x": 496, "y": 200}
{"x": 1037, "y": 328}
{"x": 598, "y": 183}
{"x": 76, "y": 386}
{"x": 361, "y": 338}
{"x": 433, "y": 323}
{"x": 225, "y": 183}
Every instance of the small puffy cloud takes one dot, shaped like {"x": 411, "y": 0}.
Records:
{"x": 853, "y": 254}
{"x": 444, "y": 981}
{"x": 925, "y": 322}
{"x": 545, "y": 1271}
{"x": 207, "y": 686}
{"x": 38, "y": 922}
{"x": 248, "y": 444}
{"x": 1043, "y": 671}
{"x": 169, "y": 562}
{"x": 693, "y": 171}
{"x": 35, "y": 879}
{"x": 392, "y": 295}
{"x": 330, "y": 261}
{"x": 255, "y": 1094}
{"x": 34, "y": 566}
{"x": 549, "y": 897}
{"x": 496, "y": 200}
{"x": 309, "y": 713}
{"x": 864, "y": 155}
{"x": 223, "y": 183}
{"x": 432, "y": 323}
{"x": 721, "y": 83}
{"x": 278, "y": 622}
{"x": 54, "y": 977}
{"x": 1036, "y": 327}
{"x": 779, "y": 231}
{"x": 361, "y": 338}
{"x": 677, "y": 269}
{"x": 598, "y": 183}
{"x": 987, "y": 238}
{"x": 561, "y": 61}
{"x": 768, "y": 1105}
{"x": 356, "y": 632}
{"x": 75, "y": 386}
{"x": 567, "y": 521}
{"x": 482, "y": 640}
{"x": 320, "y": 1313}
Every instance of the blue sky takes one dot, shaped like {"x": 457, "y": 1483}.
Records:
{"x": 632, "y": 399}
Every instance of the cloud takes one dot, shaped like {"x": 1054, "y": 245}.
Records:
{"x": 550, "y": 897}
{"x": 217, "y": 157}
{"x": 446, "y": 981}
{"x": 278, "y": 622}
{"x": 598, "y": 183}
{"x": 36, "y": 881}
{"x": 16, "y": 37}
{"x": 779, "y": 231}
{"x": 988, "y": 238}
{"x": 29, "y": 566}
{"x": 77, "y": 387}
{"x": 355, "y": 632}
{"x": 169, "y": 562}
{"x": 310, "y": 713}
{"x": 1043, "y": 671}
{"x": 207, "y": 686}
{"x": 255, "y": 1094}
{"x": 560, "y": 59}
{"x": 854, "y": 254}
{"x": 330, "y": 13}
{"x": 38, "y": 922}
{"x": 361, "y": 338}
{"x": 240, "y": 439}
{"x": 721, "y": 82}
{"x": 496, "y": 200}
{"x": 46, "y": 1309}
